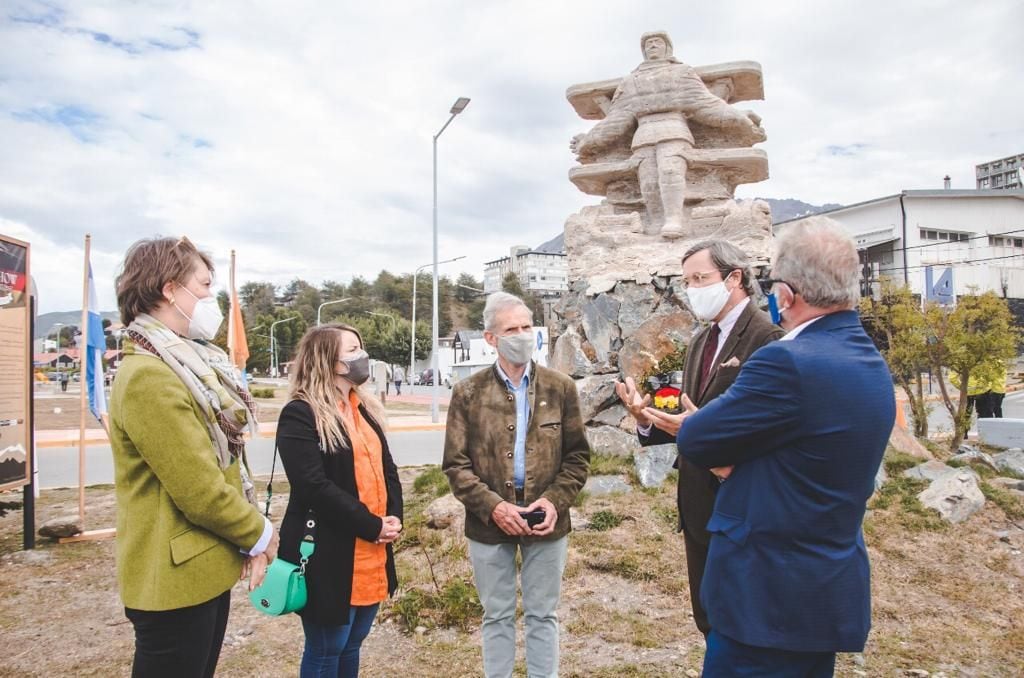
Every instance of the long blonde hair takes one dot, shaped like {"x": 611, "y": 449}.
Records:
{"x": 312, "y": 381}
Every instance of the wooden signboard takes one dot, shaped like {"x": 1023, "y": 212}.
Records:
{"x": 15, "y": 365}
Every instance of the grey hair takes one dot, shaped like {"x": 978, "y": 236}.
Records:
{"x": 820, "y": 259}
{"x": 498, "y": 302}
{"x": 727, "y": 258}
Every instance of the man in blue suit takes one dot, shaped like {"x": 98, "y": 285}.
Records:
{"x": 797, "y": 440}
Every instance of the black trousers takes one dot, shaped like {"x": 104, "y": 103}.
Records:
{"x": 181, "y": 643}
{"x": 696, "y": 559}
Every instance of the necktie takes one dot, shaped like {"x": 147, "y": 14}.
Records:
{"x": 708, "y": 357}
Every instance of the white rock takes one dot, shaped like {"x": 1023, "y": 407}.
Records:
{"x": 654, "y": 462}
{"x": 444, "y": 512}
{"x": 956, "y": 495}
{"x": 930, "y": 470}
{"x": 1011, "y": 460}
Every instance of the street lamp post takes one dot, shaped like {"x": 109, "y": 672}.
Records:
{"x": 327, "y": 303}
{"x": 412, "y": 330}
{"x": 273, "y": 344}
{"x": 459, "y": 106}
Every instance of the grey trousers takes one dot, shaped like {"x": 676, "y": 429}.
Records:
{"x": 494, "y": 569}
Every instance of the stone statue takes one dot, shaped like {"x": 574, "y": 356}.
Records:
{"x": 652, "y": 107}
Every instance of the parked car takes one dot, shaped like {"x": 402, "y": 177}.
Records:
{"x": 426, "y": 377}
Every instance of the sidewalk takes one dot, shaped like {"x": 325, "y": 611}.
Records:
{"x": 268, "y": 429}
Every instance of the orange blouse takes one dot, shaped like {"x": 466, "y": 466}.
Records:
{"x": 369, "y": 577}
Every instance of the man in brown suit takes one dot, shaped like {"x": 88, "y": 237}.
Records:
{"x": 516, "y": 454}
{"x": 719, "y": 285}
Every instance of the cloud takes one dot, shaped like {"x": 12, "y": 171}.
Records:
{"x": 301, "y": 134}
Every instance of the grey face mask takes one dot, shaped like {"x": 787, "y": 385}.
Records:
{"x": 358, "y": 368}
{"x": 517, "y": 348}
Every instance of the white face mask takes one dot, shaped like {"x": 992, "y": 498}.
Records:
{"x": 206, "y": 317}
{"x": 707, "y": 302}
{"x": 516, "y": 348}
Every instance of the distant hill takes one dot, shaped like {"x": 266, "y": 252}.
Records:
{"x": 784, "y": 209}
{"x": 556, "y": 245}
{"x": 46, "y": 321}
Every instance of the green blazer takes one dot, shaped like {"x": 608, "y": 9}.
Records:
{"x": 180, "y": 520}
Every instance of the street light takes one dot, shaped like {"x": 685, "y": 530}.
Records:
{"x": 412, "y": 330}
{"x": 458, "y": 107}
{"x": 327, "y": 303}
{"x": 384, "y": 315}
{"x": 273, "y": 344}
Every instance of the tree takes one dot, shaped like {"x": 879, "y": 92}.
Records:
{"x": 975, "y": 339}
{"x": 512, "y": 285}
{"x": 257, "y": 298}
{"x": 466, "y": 288}
{"x": 900, "y": 331}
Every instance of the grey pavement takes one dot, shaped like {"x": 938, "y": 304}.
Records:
{"x": 939, "y": 420}
{"x": 58, "y": 466}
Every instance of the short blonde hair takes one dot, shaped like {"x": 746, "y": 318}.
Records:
{"x": 148, "y": 265}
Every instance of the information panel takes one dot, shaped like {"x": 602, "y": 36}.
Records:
{"x": 15, "y": 364}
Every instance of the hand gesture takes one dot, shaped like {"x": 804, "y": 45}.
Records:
{"x": 390, "y": 528}
{"x": 508, "y": 519}
{"x": 671, "y": 423}
{"x": 722, "y": 472}
{"x": 547, "y": 526}
{"x": 633, "y": 401}
{"x": 256, "y": 569}
{"x": 271, "y": 550}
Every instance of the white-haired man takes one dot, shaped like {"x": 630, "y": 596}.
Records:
{"x": 516, "y": 454}
{"x": 799, "y": 438}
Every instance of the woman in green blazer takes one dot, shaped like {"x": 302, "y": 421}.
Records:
{"x": 187, "y": 524}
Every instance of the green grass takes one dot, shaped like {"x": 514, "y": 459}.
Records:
{"x": 1011, "y": 505}
{"x": 898, "y": 462}
{"x": 898, "y": 496}
{"x": 609, "y": 465}
{"x": 456, "y": 605}
{"x": 432, "y": 482}
{"x": 605, "y": 520}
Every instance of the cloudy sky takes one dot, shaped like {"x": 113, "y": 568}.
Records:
{"x": 299, "y": 133}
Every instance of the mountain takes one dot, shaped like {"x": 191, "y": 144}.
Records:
{"x": 46, "y": 321}
{"x": 556, "y": 245}
{"x": 784, "y": 209}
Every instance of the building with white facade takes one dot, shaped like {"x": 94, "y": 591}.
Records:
{"x": 544, "y": 273}
{"x": 1000, "y": 174}
{"x": 978, "y": 234}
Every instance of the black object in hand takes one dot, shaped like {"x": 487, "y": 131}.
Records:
{"x": 535, "y": 517}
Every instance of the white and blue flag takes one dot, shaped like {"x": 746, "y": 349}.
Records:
{"x": 92, "y": 357}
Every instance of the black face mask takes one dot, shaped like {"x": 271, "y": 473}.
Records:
{"x": 358, "y": 368}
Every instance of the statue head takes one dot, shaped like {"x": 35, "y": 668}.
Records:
{"x": 656, "y": 45}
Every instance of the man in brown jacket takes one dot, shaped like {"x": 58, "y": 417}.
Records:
{"x": 719, "y": 285}
{"x": 516, "y": 455}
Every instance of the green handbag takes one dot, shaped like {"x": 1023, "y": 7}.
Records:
{"x": 284, "y": 586}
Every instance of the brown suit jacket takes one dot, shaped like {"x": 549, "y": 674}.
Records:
{"x": 696, "y": 491}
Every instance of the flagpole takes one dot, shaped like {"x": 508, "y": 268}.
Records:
{"x": 83, "y": 352}
{"x": 231, "y": 313}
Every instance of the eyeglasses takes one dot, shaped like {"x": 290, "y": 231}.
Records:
{"x": 700, "y": 279}
{"x": 768, "y": 283}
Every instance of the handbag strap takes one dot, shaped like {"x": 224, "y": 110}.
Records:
{"x": 308, "y": 543}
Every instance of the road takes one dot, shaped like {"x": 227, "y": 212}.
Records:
{"x": 58, "y": 466}
{"x": 939, "y": 420}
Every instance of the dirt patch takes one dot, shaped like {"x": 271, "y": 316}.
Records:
{"x": 946, "y": 600}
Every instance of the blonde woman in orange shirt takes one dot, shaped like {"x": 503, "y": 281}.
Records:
{"x": 332, "y": 443}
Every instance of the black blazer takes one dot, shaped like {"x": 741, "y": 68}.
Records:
{"x": 326, "y": 483}
{"x": 695, "y": 494}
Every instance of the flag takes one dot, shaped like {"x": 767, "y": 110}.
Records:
{"x": 92, "y": 356}
{"x": 238, "y": 346}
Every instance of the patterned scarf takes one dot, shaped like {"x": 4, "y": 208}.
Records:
{"x": 212, "y": 380}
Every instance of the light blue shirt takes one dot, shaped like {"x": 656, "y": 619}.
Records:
{"x": 522, "y": 421}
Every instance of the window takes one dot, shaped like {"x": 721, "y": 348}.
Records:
{"x": 997, "y": 165}
{"x": 964, "y": 237}
{"x": 1018, "y": 242}
{"x": 943, "y": 235}
{"x": 997, "y": 180}
{"x": 984, "y": 183}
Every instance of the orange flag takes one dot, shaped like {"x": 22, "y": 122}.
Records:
{"x": 238, "y": 346}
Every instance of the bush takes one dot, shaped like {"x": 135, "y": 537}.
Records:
{"x": 262, "y": 392}
{"x": 605, "y": 520}
{"x": 456, "y": 605}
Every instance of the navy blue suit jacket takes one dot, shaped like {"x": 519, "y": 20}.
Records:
{"x": 806, "y": 423}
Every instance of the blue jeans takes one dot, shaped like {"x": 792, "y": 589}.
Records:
{"x": 728, "y": 658}
{"x": 333, "y": 651}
